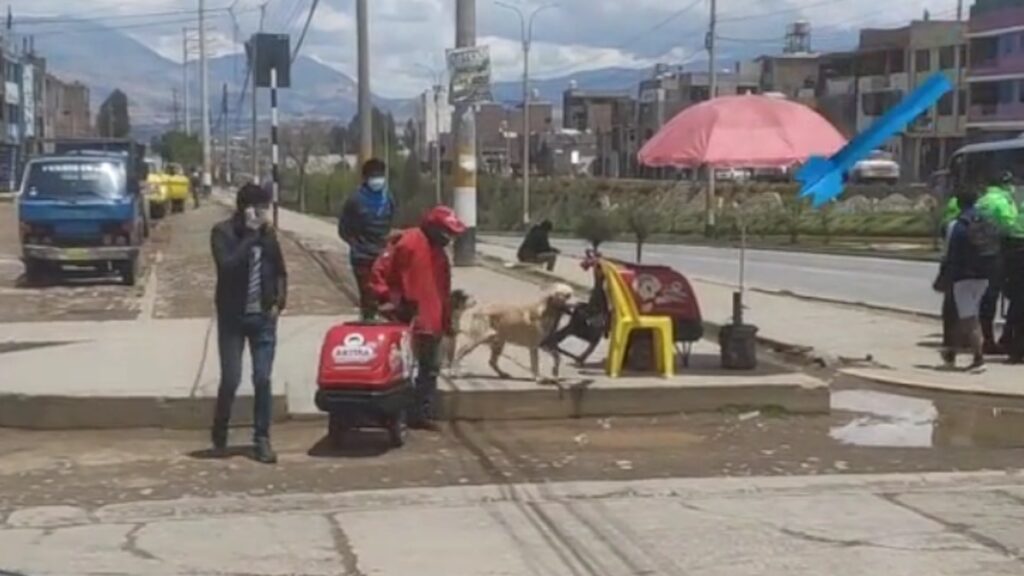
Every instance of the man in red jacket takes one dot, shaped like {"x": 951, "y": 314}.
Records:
{"x": 413, "y": 277}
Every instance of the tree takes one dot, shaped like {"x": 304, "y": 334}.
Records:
{"x": 113, "y": 120}
{"x": 640, "y": 220}
{"x": 596, "y": 227}
{"x": 300, "y": 141}
{"x": 180, "y": 148}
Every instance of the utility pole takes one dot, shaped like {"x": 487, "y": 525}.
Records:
{"x": 226, "y": 175}
{"x": 437, "y": 144}
{"x": 255, "y": 101}
{"x": 176, "y": 110}
{"x": 465, "y": 142}
{"x": 958, "y": 61}
{"x": 365, "y": 105}
{"x": 184, "y": 80}
{"x": 709, "y": 208}
{"x": 526, "y": 32}
{"x": 204, "y": 93}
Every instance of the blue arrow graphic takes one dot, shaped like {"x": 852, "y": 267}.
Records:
{"x": 822, "y": 178}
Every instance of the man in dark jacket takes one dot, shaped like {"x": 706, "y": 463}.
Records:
{"x": 252, "y": 289}
{"x": 971, "y": 256}
{"x": 536, "y": 247}
{"x": 365, "y": 224}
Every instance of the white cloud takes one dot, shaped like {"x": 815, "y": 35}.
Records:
{"x": 579, "y": 35}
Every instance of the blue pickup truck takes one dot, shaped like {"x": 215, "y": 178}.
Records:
{"x": 82, "y": 208}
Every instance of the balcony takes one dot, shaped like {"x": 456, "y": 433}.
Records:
{"x": 1007, "y": 112}
{"x": 999, "y": 66}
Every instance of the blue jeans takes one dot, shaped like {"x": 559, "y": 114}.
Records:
{"x": 260, "y": 331}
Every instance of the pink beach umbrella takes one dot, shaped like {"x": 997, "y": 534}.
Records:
{"x": 742, "y": 132}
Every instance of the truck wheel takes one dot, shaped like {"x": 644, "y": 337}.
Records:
{"x": 398, "y": 430}
{"x": 177, "y": 206}
{"x": 36, "y": 272}
{"x": 338, "y": 430}
{"x": 129, "y": 271}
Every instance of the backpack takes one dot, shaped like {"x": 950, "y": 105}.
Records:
{"x": 983, "y": 235}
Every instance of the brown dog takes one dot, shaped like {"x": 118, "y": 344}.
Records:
{"x": 525, "y": 326}
{"x": 458, "y": 303}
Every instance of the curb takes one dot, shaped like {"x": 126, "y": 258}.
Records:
{"x": 767, "y": 291}
{"x": 876, "y": 376}
{"x": 735, "y": 245}
{"x": 113, "y": 413}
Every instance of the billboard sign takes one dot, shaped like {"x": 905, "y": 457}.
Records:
{"x": 470, "y": 73}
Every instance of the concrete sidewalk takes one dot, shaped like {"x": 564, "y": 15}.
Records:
{"x": 478, "y": 395}
{"x": 886, "y": 347}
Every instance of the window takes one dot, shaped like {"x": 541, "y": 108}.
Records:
{"x": 963, "y": 103}
{"x": 947, "y": 57}
{"x": 1005, "y": 92}
{"x": 1007, "y": 44}
{"x": 877, "y": 103}
{"x": 923, "y": 60}
{"x": 1020, "y": 91}
{"x": 946, "y": 105}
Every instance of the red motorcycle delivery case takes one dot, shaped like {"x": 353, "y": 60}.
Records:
{"x": 366, "y": 357}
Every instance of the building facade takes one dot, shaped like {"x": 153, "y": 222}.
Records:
{"x": 66, "y": 112}
{"x": 856, "y": 88}
{"x": 611, "y": 118}
{"x": 671, "y": 91}
{"x": 433, "y": 123}
{"x": 995, "y": 73}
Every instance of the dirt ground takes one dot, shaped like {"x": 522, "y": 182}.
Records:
{"x": 177, "y": 278}
{"x": 93, "y": 468}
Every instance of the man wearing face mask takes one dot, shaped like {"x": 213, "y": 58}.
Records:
{"x": 413, "y": 278}
{"x": 252, "y": 289}
{"x": 365, "y": 224}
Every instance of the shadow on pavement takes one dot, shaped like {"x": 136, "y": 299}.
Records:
{"x": 357, "y": 444}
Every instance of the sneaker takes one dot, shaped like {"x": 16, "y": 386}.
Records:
{"x": 220, "y": 445}
{"x": 263, "y": 453}
{"x": 948, "y": 359}
{"x": 978, "y": 366}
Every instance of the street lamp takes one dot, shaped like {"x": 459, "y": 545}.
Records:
{"x": 438, "y": 86}
{"x": 526, "y": 30}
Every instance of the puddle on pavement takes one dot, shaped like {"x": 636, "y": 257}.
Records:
{"x": 889, "y": 419}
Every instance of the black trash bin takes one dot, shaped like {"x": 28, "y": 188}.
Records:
{"x": 739, "y": 346}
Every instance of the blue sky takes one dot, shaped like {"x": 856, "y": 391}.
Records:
{"x": 411, "y": 35}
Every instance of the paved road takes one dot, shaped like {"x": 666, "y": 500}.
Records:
{"x": 878, "y": 281}
{"x": 843, "y": 526}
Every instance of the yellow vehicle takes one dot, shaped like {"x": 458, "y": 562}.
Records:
{"x": 179, "y": 189}
{"x": 157, "y": 190}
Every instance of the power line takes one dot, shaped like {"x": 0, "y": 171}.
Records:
{"x": 72, "y": 19}
{"x": 780, "y": 11}
{"x": 302, "y": 37}
{"x": 572, "y": 68}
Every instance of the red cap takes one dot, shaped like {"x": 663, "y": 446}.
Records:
{"x": 445, "y": 217}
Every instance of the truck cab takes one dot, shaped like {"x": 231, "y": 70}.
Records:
{"x": 82, "y": 209}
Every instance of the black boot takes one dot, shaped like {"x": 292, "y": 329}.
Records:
{"x": 219, "y": 440}
{"x": 264, "y": 453}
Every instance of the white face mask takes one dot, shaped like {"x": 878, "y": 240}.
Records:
{"x": 377, "y": 184}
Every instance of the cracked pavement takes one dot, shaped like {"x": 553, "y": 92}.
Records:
{"x": 900, "y": 524}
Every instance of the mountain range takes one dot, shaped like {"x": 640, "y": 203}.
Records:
{"x": 151, "y": 80}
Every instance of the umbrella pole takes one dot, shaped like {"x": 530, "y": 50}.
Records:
{"x": 709, "y": 205}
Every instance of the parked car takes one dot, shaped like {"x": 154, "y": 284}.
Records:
{"x": 879, "y": 166}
